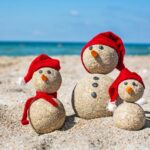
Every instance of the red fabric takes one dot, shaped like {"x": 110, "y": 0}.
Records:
{"x": 42, "y": 60}
{"x": 109, "y": 39}
{"x": 45, "y": 96}
{"x": 125, "y": 74}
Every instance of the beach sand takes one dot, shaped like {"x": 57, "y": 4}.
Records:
{"x": 77, "y": 134}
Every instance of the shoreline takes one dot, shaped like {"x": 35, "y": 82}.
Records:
{"x": 71, "y": 55}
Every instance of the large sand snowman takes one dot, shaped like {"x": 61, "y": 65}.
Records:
{"x": 100, "y": 56}
{"x": 45, "y": 112}
{"x": 129, "y": 87}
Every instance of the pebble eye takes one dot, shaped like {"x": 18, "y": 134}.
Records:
{"x": 90, "y": 48}
{"x": 101, "y": 47}
{"x": 134, "y": 84}
{"x": 125, "y": 83}
{"x": 49, "y": 72}
{"x": 40, "y": 71}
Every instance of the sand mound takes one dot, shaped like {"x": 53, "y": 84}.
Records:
{"x": 77, "y": 133}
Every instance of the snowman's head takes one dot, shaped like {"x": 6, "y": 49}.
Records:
{"x": 130, "y": 90}
{"x": 103, "y": 53}
{"x": 47, "y": 80}
{"x": 100, "y": 59}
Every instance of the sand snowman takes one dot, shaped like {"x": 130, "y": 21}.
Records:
{"x": 129, "y": 87}
{"x": 99, "y": 56}
{"x": 45, "y": 112}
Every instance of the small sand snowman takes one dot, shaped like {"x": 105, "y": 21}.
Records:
{"x": 45, "y": 112}
{"x": 99, "y": 56}
{"x": 130, "y": 88}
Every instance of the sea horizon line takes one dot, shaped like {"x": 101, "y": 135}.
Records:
{"x": 65, "y": 42}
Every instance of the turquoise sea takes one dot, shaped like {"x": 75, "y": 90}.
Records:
{"x": 59, "y": 48}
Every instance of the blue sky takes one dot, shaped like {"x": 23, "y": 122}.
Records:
{"x": 74, "y": 20}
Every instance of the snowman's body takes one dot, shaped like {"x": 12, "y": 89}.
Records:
{"x": 129, "y": 115}
{"x": 46, "y": 118}
{"x": 91, "y": 94}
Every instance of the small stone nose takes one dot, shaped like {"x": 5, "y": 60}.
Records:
{"x": 129, "y": 89}
{"x": 44, "y": 78}
{"x": 94, "y": 53}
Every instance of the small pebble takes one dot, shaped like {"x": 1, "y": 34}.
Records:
{"x": 93, "y": 94}
{"x": 95, "y": 84}
{"x": 96, "y": 78}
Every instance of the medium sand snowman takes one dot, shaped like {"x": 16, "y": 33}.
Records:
{"x": 130, "y": 88}
{"x": 100, "y": 56}
{"x": 45, "y": 112}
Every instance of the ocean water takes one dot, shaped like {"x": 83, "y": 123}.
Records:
{"x": 59, "y": 48}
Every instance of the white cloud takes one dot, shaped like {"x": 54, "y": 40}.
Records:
{"x": 87, "y": 22}
{"x": 37, "y": 33}
{"x": 74, "y": 13}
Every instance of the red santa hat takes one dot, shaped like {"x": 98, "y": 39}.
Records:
{"x": 41, "y": 61}
{"x": 125, "y": 74}
{"x": 109, "y": 39}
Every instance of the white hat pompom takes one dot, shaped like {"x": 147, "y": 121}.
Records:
{"x": 111, "y": 106}
{"x": 21, "y": 81}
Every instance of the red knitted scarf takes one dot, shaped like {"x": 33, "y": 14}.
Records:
{"x": 45, "y": 96}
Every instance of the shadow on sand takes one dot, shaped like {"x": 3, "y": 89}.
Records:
{"x": 147, "y": 122}
{"x": 69, "y": 122}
